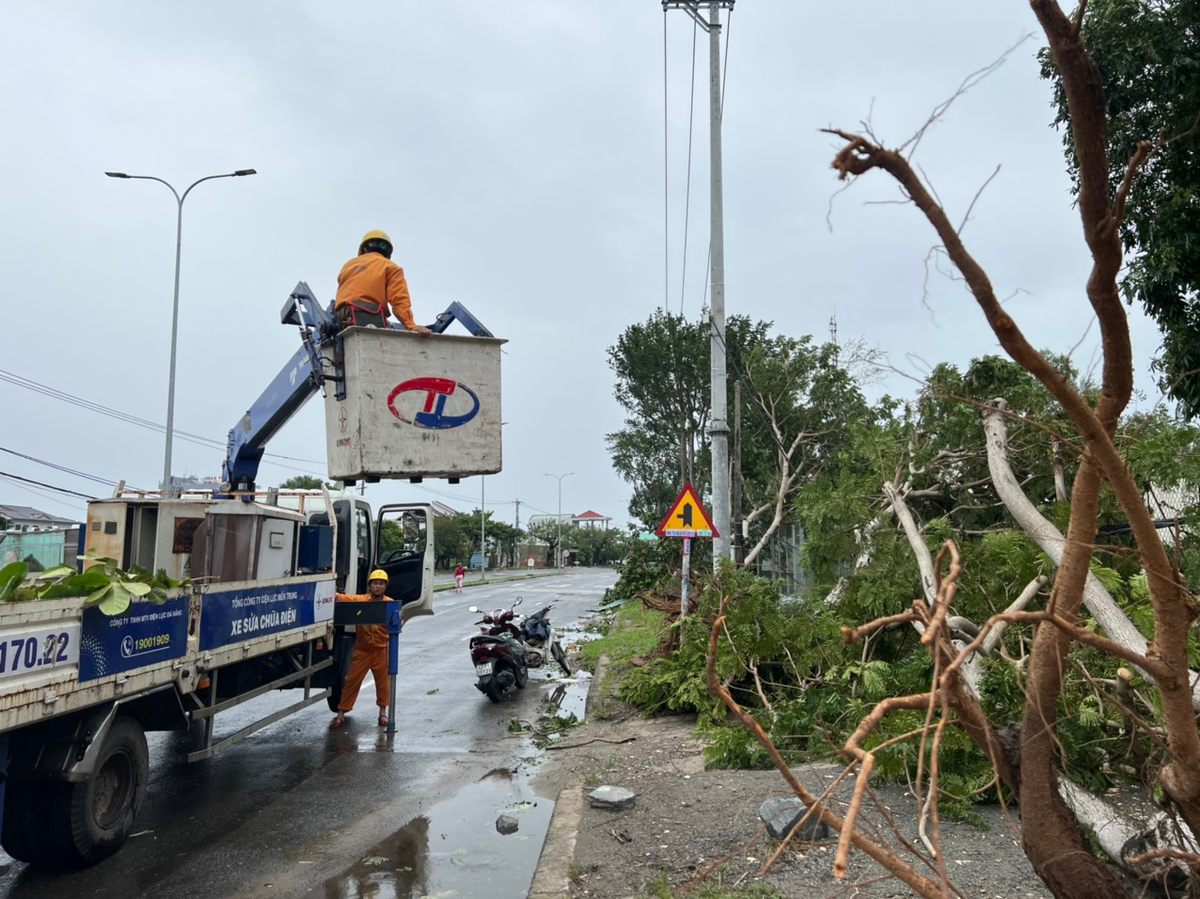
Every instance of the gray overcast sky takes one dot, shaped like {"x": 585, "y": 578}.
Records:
{"x": 514, "y": 152}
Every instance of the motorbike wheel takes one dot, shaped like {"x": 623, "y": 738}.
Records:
{"x": 561, "y": 657}
{"x": 522, "y": 677}
{"x": 494, "y": 690}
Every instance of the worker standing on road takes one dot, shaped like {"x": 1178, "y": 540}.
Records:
{"x": 370, "y": 654}
{"x": 369, "y": 283}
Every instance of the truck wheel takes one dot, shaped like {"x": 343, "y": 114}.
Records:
{"x": 88, "y": 822}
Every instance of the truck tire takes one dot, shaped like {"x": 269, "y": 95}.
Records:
{"x": 87, "y": 822}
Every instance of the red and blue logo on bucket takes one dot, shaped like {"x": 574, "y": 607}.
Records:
{"x": 437, "y": 393}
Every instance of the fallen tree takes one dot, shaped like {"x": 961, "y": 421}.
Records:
{"x": 1027, "y": 757}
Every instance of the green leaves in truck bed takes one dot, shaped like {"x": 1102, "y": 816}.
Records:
{"x": 11, "y": 577}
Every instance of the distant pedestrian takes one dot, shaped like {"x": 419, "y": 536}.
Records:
{"x": 459, "y": 574}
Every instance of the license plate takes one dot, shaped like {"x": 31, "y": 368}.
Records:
{"x": 484, "y": 669}
{"x": 39, "y": 650}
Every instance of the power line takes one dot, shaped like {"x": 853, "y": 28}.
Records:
{"x": 62, "y": 468}
{"x": 63, "y": 396}
{"x": 687, "y": 203}
{"x": 74, "y": 505}
{"x": 17, "y": 477}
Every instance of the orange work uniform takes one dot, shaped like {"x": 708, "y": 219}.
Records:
{"x": 375, "y": 281}
{"x": 370, "y": 654}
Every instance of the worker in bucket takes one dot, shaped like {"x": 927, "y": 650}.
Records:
{"x": 369, "y": 283}
{"x": 370, "y": 654}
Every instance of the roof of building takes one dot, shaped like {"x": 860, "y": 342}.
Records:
{"x": 28, "y": 513}
{"x": 589, "y": 515}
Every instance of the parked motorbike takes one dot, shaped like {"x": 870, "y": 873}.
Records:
{"x": 498, "y": 653}
{"x": 505, "y": 649}
{"x": 537, "y": 635}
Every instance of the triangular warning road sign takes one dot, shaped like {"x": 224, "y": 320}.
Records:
{"x": 687, "y": 517}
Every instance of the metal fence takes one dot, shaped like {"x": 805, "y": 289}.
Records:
{"x": 781, "y": 561}
{"x": 47, "y": 547}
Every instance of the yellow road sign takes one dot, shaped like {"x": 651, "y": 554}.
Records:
{"x": 687, "y": 517}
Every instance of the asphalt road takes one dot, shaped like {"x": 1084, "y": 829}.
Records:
{"x": 298, "y": 810}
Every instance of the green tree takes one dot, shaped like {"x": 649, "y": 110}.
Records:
{"x": 662, "y": 382}
{"x": 594, "y": 546}
{"x": 800, "y": 402}
{"x": 1146, "y": 53}
{"x": 462, "y": 539}
{"x": 454, "y": 539}
{"x": 548, "y": 531}
{"x": 306, "y": 482}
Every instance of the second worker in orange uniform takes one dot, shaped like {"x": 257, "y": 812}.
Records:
{"x": 370, "y": 654}
{"x": 369, "y": 283}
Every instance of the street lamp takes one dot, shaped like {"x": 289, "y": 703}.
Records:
{"x": 166, "y": 481}
{"x": 560, "y": 477}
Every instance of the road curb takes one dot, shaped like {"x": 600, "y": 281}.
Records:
{"x": 552, "y": 879}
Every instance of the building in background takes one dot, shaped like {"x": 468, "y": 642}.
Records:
{"x": 45, "y": 539}
{"x": 591, "y": 519}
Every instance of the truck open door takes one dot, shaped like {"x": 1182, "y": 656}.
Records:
{"x": 404, "y": 549}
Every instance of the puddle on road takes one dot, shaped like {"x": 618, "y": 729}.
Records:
{"x": 454, "y": 851}
{"x": 569, "y": 696}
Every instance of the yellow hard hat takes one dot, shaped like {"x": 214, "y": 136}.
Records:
{"x": 378, "y": 575}
{"x": 377, "y": 237}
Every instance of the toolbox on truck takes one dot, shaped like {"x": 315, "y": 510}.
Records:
{"x": 413, "y": 406}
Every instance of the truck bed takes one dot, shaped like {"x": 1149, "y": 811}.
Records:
{"x": 57, "y": 657}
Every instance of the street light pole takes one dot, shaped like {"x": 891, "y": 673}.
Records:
{"x": 558, "y": 548}
{"x": 166, "y": 480}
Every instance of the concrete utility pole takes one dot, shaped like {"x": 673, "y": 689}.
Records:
{"x": 718, "y": 427}
{"x": 517, "y": 515}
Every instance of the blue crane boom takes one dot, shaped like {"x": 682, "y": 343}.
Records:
{"x": 299, "y": 380}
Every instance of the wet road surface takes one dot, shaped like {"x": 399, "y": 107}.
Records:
{"x": 298, "y": 810}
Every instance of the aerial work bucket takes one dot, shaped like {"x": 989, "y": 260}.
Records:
{"x": 414, "y": 407}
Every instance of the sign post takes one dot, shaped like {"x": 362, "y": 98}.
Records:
{"x": 687, "y": 519}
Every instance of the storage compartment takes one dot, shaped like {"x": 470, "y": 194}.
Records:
{"x": 414, "y": 406}
{"x": 315, "y": 550}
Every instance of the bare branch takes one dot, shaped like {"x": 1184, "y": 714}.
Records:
{"x": 967, "y": 83}
{"x": 975, "y": 199}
